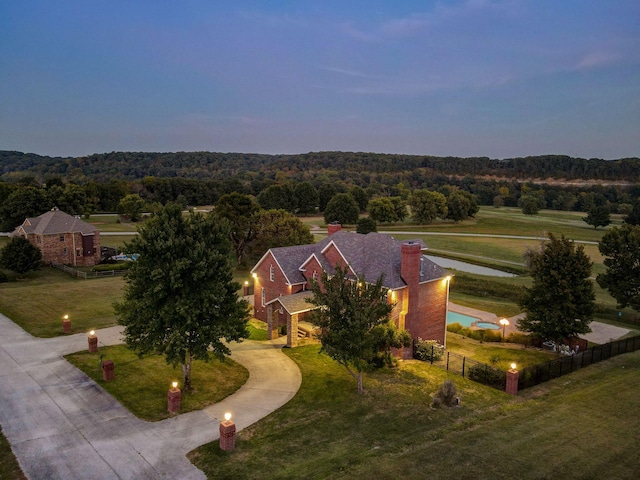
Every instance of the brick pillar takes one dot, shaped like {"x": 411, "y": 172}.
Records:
{"x": 512, "y": 381}
{"x": 333, "y": 228}
{"x": 411, "y": 253}
{"x": 93, "y": 343}
{"x": 227, "y": 435}
{"x": 272, "y": 327}
{"x": 292, "y": 330}
{"x": 108, "y": 369}
{"x": 245, "y": 289}
{"x": 173, "y": 400}
{"x": 66, "y": 325}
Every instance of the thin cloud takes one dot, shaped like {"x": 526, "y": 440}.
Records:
{"x": 596, "y": 60}
{"x": 348, "y": 72}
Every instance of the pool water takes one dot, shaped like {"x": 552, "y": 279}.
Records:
{"x": 466, "y": 321}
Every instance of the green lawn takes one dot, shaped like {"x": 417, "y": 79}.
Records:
{"x": 141, "y": 384}
{"x": 38, "y": 303}
{"x": 9, "y": 468}
{"x": 583, "y": 425}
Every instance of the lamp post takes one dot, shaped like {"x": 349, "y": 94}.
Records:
{"x": 174, "y": 396}
{"x": 66, "y": 324}
{"x": 512, "y": 380}
{"x": 93, "y": 342}
{"x": 227, "y": 433}
{"x": 504, "y": 322}
{"x": 245, "y": 289}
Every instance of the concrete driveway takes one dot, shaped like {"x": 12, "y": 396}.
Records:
{"x": 62, "y": 425}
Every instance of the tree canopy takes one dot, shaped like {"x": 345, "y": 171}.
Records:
{"x": 426, "y": 206}
{"x": 342, "y": 208}
{"x": 180, "y": 299}
{"x": 621, "y": 248}
{"x": 598, "y": 216}
{"x": 20, "y": 256}
{"x": 353, "y": 317}
{"x": 561, "y": 301}
{"x": 278, "y": 228}
{"x": 239, "y": 210}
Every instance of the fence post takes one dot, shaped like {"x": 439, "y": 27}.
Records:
{"x": 431, "y": 354}
{"x": 463, "y": 359}
{"x": 448, "y": 361}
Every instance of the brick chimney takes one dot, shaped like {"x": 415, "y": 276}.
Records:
{"x": 410, "y": 272}
{"x": 333, "y": 228}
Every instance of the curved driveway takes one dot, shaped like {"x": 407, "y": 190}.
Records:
{"x": 62, "y": 425}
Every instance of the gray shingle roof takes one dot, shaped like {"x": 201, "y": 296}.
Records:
{"x": 370, "y": 256}
{"x": 56, "y": 222}
{"x": 296, "y": 303}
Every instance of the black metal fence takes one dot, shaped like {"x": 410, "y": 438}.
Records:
{"x": 544, "y": 372}
{"x": 471, "y": 369}
{"x": 86, "y": 275}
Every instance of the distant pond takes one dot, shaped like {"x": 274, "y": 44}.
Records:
{"x": 468, "y": 267}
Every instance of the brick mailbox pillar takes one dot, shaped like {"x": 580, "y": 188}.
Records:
{"x": 173, "y": 400}
{"x": 108, "y": 369}
{"x": 245, "y": 289}
{"x": 93, "y": 342}
{"x": 512, "y": 381}
{"x": 227, "y": 435}
{"x": 66, "y": 324}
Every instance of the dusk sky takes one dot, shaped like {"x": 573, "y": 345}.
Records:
{"x": 496, "y": 78}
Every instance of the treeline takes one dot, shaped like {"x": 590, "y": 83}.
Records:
{"x": 359, "y": 168}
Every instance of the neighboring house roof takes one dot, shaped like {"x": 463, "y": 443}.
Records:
{"x": 54, "y": 222}
{"x": 369, "y": 256}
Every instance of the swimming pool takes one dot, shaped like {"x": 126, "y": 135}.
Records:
{"x": 466, "y": 321}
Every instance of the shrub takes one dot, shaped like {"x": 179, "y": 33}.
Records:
{"x": 111, "y": 266}
{"x": 454, "y": 327}
{"x": 487, "y": 375}
{"x": 518, "y": 337}
{"x": 429, "y": 350}
{"x": 447, "y": 395}
{"x": 3, "y": 277}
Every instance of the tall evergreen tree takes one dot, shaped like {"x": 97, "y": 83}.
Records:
{"x": 561, "y": 301}
{"x": 180, "y": 299}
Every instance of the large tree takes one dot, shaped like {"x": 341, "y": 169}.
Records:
{"x": 20, "y": 256}
{"x": 353, "y": 317}
{"x": 342, "y": 208}
{"x": 561, "y": 301}
{"x": 240, "y": 211}
{"x": 278, "y": 228}
{"x": 427, "y": 205}
{"x": 23, "y": 202}
{"x": 280, "y": 196}
{"x": 382, "y": 210}
{"x": 598, "y": 216}
{"x": 306, "y": 197}
{"x": 461, "y": 205}
{"x": 180, "y": 299}
{"x": 131, "y": 206}
{"x": 621, "y": 248}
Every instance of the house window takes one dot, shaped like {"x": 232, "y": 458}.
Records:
{"x": 272, "y": 273}
{"x": 315, "y": 276}
{"x": 39, "y": 239}
{"x": 262, "y": 296}
{"x": 62, "y": 238}
{"x": 64, "y": 251}
{"x": 78, "y": 252}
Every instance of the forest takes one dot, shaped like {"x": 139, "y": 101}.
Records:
{"x": 305, "y": 183}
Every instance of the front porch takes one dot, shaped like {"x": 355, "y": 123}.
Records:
{"x": 292, "y": 311}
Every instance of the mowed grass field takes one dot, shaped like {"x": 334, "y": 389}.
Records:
{"x": 583, "y": 425}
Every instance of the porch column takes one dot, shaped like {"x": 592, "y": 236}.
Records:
{"x": 292, "y": 330}
{"x": 272, "y": 330}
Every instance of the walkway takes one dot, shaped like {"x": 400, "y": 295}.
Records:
{"x": 62, "y": 425}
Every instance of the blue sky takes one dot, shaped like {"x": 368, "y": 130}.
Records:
{"x": 497, "y": 78}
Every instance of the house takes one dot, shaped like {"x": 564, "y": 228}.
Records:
{"x": 62, "y": 238}
{"x": 418, "y": 288}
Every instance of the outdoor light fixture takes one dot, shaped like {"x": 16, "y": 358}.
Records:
{"x": 513, "y": 366}
{"x": 504, "y": 322}
{"x": 174, "y": 384}
{"x": 246, "y": 282}
{"x": 92, "y": 333}
{"x": 66, "y": 317}
{"x": 254, "y": 275}
{"x": 227, "y": 416}
{"x": 448, "y": 278}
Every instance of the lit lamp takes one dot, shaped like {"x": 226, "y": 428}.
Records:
{"x": 512, "y": 380}
{"x": 504, "y": 322}
{"x": 227, "y": 433}
{"x": 66, "y": 324}
{"x": 93, "y": 342}
{"x": 174, "y": 396}
{"x": 245, "y": 288}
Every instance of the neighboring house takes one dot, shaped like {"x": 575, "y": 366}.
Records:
{"x": 62, "y": 238}
{"x": 418, "y": 287}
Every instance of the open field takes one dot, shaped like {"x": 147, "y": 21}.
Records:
{"x": 576, "y": 425}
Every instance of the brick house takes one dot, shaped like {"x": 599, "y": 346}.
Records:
{"x": 62, "y": 238}
{"x": 418, "y": 287}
